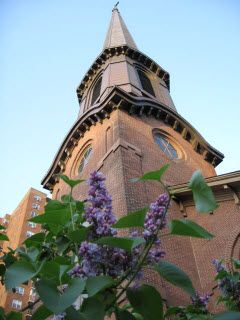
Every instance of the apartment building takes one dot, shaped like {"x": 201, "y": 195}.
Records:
{"x": 18, "y": 228}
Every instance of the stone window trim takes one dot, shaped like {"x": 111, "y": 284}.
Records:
{"x": 19, "y": 290}
{"x": 37, "y": 198}
{"x": 180, "y": 153}
{"x": 16, "y": 304}
{"x": 32, "y": 225}
{"x": 36, "y": 206}
{"x": 33, "y": 214}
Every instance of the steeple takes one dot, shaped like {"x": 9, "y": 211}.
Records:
{"x": 118, "y": 34}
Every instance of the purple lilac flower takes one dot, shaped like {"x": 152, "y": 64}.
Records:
{"x": 101, "y": 260}
{"x": 218, "y": 265}
{"x": 156, "y": 216}
{"x": 200, "y": 301}
{"x": 155, "y": 253}
{"x": 228, "y": 283}
{"x": 99, "y": 208}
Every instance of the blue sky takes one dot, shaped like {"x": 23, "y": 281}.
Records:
{"x": 48, "y": 45}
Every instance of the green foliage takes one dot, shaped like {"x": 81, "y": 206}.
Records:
{"x": 57, "y": 301}
{"x": 41, "y": 313}
{"x": 79, "y": 235}
{"x": 71, "y": 183}
{"x": 236, "y": 263}
{"x": 190, "y": 228}
{"x": 175, "y": 275}
{"x": 147, "y": 301}
{"x": 202, "y": 194}
{"x": 10, "y": 316}
{"x": 124, "y": 243}
{"x": 124, "y": 315}
{"x": 132, "y": 219}
{"x": 19, "y": 272}
{"x": 3, "y": 237}
{"x": 14, "y": 316}
{"x": 97, "y": 284}
{"x": 35, "y": 241}
{"x": 93, "y": 309}
{"x": 56, "y": 212}
{"x": 229, "y": 315}
{"x": 153, "y": 175}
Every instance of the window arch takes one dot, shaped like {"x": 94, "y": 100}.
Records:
{"x": 84, "y": 159}
{"x": 166, "y": 145}
{"x": 145, "y": 82}
{"x": 96, "y": 91}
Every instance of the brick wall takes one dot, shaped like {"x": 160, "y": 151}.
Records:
{"x": 131, "y": 152}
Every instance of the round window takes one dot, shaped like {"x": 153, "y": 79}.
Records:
{"x": 85, "y": 158}
{"x": 165, "y": 145}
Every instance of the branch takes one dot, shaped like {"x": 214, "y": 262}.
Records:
{"x": 30, "y": 305}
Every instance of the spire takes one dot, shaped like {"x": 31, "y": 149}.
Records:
{"x": 118, "y": 33}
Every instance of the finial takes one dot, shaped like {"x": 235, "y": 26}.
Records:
{"x": 115, "y": 6}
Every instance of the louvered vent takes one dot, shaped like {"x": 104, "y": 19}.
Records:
{"x": 145, "y": 82}
{"x": 96, "y": 91}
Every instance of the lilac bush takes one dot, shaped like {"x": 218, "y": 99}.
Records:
{"x": 98, "y": 259}
{"x": 82, "y": 269}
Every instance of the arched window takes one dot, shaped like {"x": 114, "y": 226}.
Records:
{"x": 85, "y": 158}
{"x": 145, "y": 82}
{"x": 165, "y": 145}
{"x": 96, "y": 91}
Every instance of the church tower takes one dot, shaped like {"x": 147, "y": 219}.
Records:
{"x": 128, "y": 125}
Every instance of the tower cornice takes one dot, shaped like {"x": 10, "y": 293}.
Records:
{"x": 141, "y": 106}
{"x": 132, "y": 53}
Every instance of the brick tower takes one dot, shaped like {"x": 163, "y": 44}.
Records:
{"x": 128, "y": 125}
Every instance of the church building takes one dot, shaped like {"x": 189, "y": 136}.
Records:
{"x": 128, "y": 125}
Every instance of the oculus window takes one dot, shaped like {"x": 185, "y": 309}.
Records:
{"x": 145, "y": 82}
{"x": 166, "y": 146}
{"x": 85, "y": 158}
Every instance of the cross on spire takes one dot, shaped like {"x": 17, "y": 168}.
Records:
{"x": 115, "y": 6}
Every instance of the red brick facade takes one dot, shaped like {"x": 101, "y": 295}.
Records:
{"x": 17, "y": 230}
